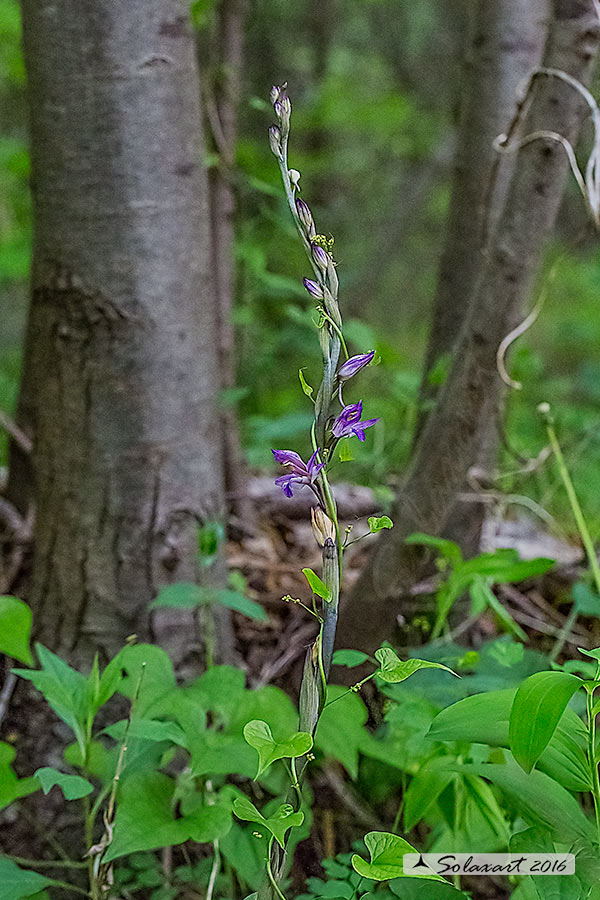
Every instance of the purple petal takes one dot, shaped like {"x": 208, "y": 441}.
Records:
{"x": 354, "y": 365}
{"x": 315, "y": 290}
{"x": 313, "y": 466}
{"x": 289, "y": 458}
{"x": 285, "y": 483}
{"x": 319, "y": 255}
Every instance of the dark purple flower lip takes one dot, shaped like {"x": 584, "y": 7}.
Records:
{"x": 300, "y": 473}
{"x": 354, "y": 365}
{"x": 348, "y": 422}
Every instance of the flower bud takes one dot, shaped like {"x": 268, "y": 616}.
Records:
{"x": 315, "y": 290}
{"x": 275, "y": 141}
{"x": 354, "y": 365}
{"x": 322, "y": 526}
{"x": 274, "y": 95}
{"x": 304, "y": 213}
{"x": 319, "y": 256}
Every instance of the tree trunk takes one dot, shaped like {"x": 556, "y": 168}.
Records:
{"x": 222, "y": 105}
{"x": 120, "y": 373}
{"x": 506, "y": 44}
{"x": 450, "y": 439}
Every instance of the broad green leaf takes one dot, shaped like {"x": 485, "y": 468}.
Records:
{"x": 145, "y": 670}
{"x": 11, "y": 787}
{"x": 283, "y": 818}
{"x": 349, "y": 658}
{"x": 64, "y": 689}
{"x": 393, "y": 669}
{"x": 245, "y": 852}
{"x": 308, "y": 390}
{"x": 16, "y": 883}
{"x": 145, "y": 816}
{"x": 340, "y": 732}
{"x": 386, "y": 852}
{"x": 260, "y": 737}
{"x": 186, "y": 595}
{"x": 242, "y": 604}
{"x": 586, "y": 600}
{"x": 378, "y": 523}
{"x": 424, "y": 789}
{"x": 411, "y": 888}
{"x": 221, "y": 690}
{"x": 148, "y": 730}
{"x": 215, "y": 753}
{"x": 15, "y": 629}
{"x": 182, "y": 595}
{"x": 484, "y": 718}
{"x": 448, "y": 549}
{"x": 504, "y": 566}
{"x": 316, "y": 585}
{"x": 206, "y": 818}
{"x": 541, "y": 799}
{"x": 536, "y": 711}
{"x": 74, "y": 787}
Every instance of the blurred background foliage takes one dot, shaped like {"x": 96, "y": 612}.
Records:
{"x": 375, "y": 87}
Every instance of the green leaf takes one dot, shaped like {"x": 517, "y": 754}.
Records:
{"x": 448, "y": 549}
{"x": 16, "y": 883}
{"x": 15, "y": 629}
{"x": 308, "y": 390}
{"x": 340, "y": 731}
{"x": 11, "y": 787}
{"x": 410, "y": 888}
{"x": 393, "y": 669}
{"x": 183, "y": 595}
{"x": 278, "y": 824}
{"x": 349, "y": 658}
{"x": 316, "y": 585}
{"x": 145, "y": 818}
{"x": 242, "y": 604}
{"x": 482, "y": 595}
{"x": 537, "y": 709}
{"x": 378, "y": 523}
{"x": 65, "y": 690}
{"x": 387, "y": 852}
{"x": 424, "y": 789}
{"x": 586, "y": 600}
{"x": 541, "y": 799}
{"x": 484, "y": 719}
{"x": 258, "y": 734}
{"x": 145, "y": 670}
{"x": 74, "y": 787}
{"x": 504, "y": 565}
{"x": 345, "y": 450}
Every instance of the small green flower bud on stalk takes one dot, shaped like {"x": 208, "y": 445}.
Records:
{"x": 322, "y": 526}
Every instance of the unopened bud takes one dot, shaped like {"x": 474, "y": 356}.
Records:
{"x": 322, "y": 526}
{"x": 315, "y": 290}
{"x": 274, "y": 95}
{"x": 304, "y": 214}
{"x": 319, "y": 255}
{"x": 275, "y": 141}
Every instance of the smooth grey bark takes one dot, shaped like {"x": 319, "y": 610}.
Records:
{"x": 449, "y": 440}
{"x": 222, "y": 106}
{"x": 120, "y": 373}
{"x": 505, "y": 45}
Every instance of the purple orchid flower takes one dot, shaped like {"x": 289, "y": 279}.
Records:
{"x": 348, "y": 422}
{"x": 300, "y": 473}
{"x": 354, "y": 365}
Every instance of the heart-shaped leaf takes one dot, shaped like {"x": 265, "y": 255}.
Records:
{"x": 393, "y": 669}
{"x": 258, "y": 734}
{"x": 282, "y": 819}
{"x": 74, "y": 787}
{"x": 349, "y": 658}
{"x": 378, "y": 523}
{"x": 16, "y": 883}
{"x": 387, "y": 852}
